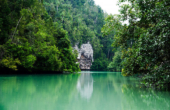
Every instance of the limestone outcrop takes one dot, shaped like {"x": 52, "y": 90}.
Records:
{"x": 85, "y": 56}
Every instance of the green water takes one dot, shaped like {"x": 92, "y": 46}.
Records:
{"x": 85, "y": 91}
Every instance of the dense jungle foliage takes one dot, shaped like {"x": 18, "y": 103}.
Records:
{"x": 83, "y": 21}
{"x": 144, "y": 42}
{"x": 38, "y": 34}
{"x": 31, "y": 41}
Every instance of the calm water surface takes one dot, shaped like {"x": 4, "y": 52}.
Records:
{"x": 85, "y": 91}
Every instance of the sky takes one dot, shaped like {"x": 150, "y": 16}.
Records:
{"x": 108, "y": 6}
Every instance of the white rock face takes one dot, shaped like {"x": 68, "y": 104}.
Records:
{"x": 85, "y": 55}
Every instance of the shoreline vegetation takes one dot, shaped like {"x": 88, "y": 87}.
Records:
{"x": 144, "y": 41}
{"x": 31, "y": 41}
{"x": 38, "y": 35}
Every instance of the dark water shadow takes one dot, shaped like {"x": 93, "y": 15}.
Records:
{"x": 2, "y": 107}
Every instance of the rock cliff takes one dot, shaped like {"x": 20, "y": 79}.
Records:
{"x": 85, "y": 56}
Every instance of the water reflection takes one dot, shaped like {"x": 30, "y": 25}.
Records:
{"x": 142, "y": 98}
{"x": 2, "y": 107}
{"x": 37, "y": 92}
{"x": 85, "y": 85}
{"x": 104, "y": 91}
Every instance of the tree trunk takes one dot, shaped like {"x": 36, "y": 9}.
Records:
{"x": 108, "y": 53}
{"x": 16, "y": 28}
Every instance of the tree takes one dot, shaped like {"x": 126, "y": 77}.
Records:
{"x": 115, "y": 65}
{"x": 144, "y": 42}
{"x": 33, "y": 41}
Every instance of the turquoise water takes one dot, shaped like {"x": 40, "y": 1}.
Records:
{"x": 85, "y": 91}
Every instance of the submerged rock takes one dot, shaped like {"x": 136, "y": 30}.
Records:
{"x": 85, "y": 56}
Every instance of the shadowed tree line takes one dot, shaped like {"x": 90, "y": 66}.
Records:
{"x": 31, "y": 41}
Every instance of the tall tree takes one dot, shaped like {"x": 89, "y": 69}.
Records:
{"x": 144, "y": 42}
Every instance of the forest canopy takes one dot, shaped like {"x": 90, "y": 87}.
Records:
{"x": 39, "y": 34}
{"x": 83, "y": 21}
{"x": 31, "y": 41}
{"x": 144, "y": 42}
